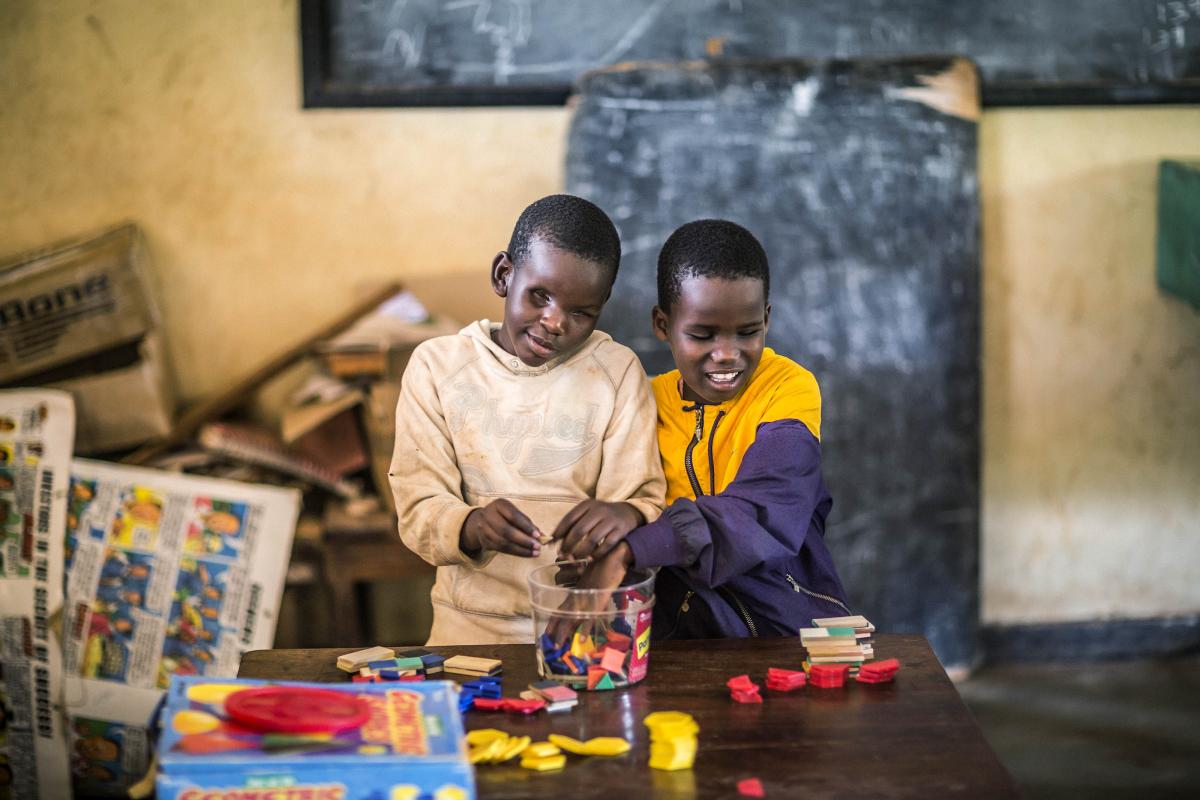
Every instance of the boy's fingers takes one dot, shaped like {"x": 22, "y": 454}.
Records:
{"x": 611, "y": 538}
{"x": 515, "y": 518}
{"x": 569, "y": 519}
{"x": 576, "y": 542}
{"x": 517, "y": 538}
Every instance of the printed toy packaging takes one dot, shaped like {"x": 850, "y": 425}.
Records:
{"x": 263, "y": 740}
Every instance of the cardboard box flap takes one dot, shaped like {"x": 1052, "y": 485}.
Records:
{"x": 72, "y": 299}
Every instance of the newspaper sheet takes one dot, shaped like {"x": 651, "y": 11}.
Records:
{"x": 37, "y": 433}
{"x": 166, "y": 574}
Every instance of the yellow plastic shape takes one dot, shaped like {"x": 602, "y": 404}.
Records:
{"x": 541, "y": 750}
{"x": 484, "y": 736}
{"x": 450, "y": 792}
{"x": 606, "y": 746}
{"x": 544, "y": 764}
{"x": 405, "y": 791}
{"x": 514, "y": 748}
{"x": 567, "y": 743}
{"x": 188, "y": 721}
{"x": 212, "y": 693}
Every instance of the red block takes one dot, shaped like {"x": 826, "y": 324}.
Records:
{"x": 522, "y": 706}
{"x": 741, "y": 683}
{"x": 489, "y": 704}
{"x": 613, "y": 660}
{"x": 751, "y": 696}
{"x": 594, "y": 675}
{"x": 750, "y": 787}
{"x": 617, "y": 641}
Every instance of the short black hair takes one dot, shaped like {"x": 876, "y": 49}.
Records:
{"x": 709, "y": 248}
{"x": 569, "y": 223}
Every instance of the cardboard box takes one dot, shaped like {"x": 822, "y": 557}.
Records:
{"x": 411, "y": 746}
{"x": 79, "y": 316}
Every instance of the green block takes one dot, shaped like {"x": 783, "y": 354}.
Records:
{"x": 605, "y": 682}
{"x": 409, "y": 663}
{"x": 1179, "y": 229}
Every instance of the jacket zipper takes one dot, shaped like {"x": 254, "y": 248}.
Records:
{"x": 687, "y": 456}
{"x": 683, "y": 608}
{"x": 798, "y": 588}
{"x": 741, "y": 609}
{"x": 712, "y": 469}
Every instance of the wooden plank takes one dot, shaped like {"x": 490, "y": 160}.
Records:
{"x": 237, "y": 394}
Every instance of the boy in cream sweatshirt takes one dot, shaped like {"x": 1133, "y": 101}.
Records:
{"x": 507, "y": 434}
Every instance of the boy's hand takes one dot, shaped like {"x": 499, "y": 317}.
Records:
{"x": 594, "y": 527}
{"x": 500, "y": 526}
{"x": 603, "y": 572}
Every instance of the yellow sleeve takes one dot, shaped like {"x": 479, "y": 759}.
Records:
{"x": 796, "y": 396}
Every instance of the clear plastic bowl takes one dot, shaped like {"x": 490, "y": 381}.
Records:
{"x": 591, "y": 638}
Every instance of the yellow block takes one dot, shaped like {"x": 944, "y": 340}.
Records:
{"x": 544, "y": 764}
{"x": 541, "y": 750}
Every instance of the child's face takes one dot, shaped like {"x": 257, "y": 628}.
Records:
{"x": 551, "y": 301}
{"x": 716, "y": 330}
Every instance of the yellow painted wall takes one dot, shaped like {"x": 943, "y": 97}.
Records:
{"x": 265, "y": 220}
{"x": 1091, "y": 375}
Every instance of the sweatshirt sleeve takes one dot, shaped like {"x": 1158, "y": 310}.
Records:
{"x": 425, "y": 478}
{"x": 631, "y": 471}
{"x": 761, "y": 518}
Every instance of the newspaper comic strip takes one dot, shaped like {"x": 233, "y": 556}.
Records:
{"x": 166, "y": 574}
{"x": 37, "y": 435}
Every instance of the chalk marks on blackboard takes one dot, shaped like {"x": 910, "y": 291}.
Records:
{"x": 480, "y": 52}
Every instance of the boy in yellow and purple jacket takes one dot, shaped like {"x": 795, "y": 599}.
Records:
{"x": 741, "y": 544}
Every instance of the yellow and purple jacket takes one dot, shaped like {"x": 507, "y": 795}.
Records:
{"x": 744, "y": 528}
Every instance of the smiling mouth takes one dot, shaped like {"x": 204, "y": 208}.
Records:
{"x": 726, "y": 378}
{"x": 541, "y": 346}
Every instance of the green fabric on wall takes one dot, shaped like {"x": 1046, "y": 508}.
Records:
{"x": 1179, "y": 229}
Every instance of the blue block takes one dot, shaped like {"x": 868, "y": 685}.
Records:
{"x": 386, "y": 663}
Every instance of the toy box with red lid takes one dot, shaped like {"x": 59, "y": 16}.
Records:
{"x": 261, "y": 740}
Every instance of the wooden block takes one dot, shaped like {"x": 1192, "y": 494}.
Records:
{"x": 353, "y": 662}
{"x": 470, "y": 665}
{"x": 854, "y": 621}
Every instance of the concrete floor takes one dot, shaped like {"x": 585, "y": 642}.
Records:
{"x": 1113, "y": 730}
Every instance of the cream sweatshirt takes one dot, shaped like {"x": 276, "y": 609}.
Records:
{"x": 474, "y": 424}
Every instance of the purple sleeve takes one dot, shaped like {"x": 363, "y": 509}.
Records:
{"x": 761, "y": 518}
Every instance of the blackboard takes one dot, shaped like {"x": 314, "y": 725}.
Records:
{"x": 530, "y": 52}
{"x": 860, "y": 180}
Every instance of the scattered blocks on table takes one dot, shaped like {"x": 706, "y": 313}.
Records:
{"x": 353, "y": 662}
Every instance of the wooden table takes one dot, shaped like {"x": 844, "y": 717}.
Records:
{"x": 910, "y": 738}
